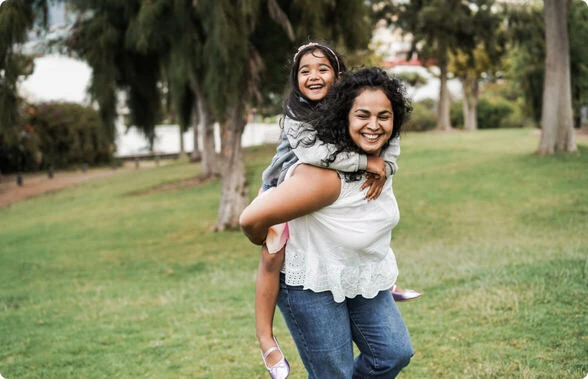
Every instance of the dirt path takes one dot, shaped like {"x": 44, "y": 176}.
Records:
{"x": 39, "y": 183}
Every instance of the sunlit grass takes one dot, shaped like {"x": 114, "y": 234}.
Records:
{"x": 107, "y": 279}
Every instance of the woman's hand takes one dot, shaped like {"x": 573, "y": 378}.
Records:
{"x": 375, "y": 183}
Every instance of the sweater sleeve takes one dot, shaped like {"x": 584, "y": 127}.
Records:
{"x": 271, "y": 175}
{"x": 390, "y": 156}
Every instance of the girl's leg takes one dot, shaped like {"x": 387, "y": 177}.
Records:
{"x": 381, "y": 336}
{"x": 267, "y": 286}
{"x": 321, "y": 330}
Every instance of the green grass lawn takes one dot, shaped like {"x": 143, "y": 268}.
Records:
{"x": 107, "y": 280}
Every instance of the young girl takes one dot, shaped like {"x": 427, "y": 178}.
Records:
{"x": 315, "y": 67}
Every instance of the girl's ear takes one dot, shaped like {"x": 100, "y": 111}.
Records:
{"x": 339, "y": 75}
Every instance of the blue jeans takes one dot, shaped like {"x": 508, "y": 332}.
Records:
{"x": 324, "y": 332}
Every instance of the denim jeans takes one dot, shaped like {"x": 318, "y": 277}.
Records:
{"x": 324, "y": 332}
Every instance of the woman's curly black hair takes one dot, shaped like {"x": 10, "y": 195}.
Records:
{"x": 331, "y": 116}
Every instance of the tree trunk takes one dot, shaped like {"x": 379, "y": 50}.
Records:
{"x": 470, "y": 103}
{"x": 556, "y": 117}
{"x": 443, "y": 122}
{"x": 234, "y": 184}
{"x": 209, "y": 159}
{"x": 182, "y": 147}
{"x": 195, "y": 156}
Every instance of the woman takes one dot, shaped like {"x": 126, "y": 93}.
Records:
{"x": 339, "y": 265}
{"x": 315, "y": 67}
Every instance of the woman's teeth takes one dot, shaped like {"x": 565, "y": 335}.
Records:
{"x": 371, "y": 137}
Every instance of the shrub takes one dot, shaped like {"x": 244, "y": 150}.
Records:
{"x": 19, "y": 150}
{"x": 70, "y": 134}
{"x": 493, "y": 112}
{"x": 55, "y": 134}
{"x": 423, "y": 116}
{"x": 456, "y": 114}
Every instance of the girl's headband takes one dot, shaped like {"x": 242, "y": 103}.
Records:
{"x": 319, "y": 45}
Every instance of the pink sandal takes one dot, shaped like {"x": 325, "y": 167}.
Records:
{"x": 280, "y": 370}
{"x": 404, "y": 294}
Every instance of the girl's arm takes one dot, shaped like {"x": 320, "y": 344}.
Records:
{"x": 271, "y": 175}
{"x": 308, "y": 149}
{"x": 390, "y": 156}
{"x": 309, "y": 189}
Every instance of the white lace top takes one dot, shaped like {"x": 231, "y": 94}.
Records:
{"x": 345, "y": 247}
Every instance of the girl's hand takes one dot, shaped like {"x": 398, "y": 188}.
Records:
{"x": 375, "y": 183}
{"x": 376, "y": 166}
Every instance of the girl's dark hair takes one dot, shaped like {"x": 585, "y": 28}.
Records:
{"x": 296, "y": 105}
{"x": 330, "y": 119}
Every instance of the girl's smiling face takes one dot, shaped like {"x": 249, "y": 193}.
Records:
{"x": 315, "y": 75}
{"x": 371, "y": 120}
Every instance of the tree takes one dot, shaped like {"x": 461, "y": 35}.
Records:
{"x": 526, "y": 56}
{"x": 437, "y": 27}
{"x": 526, "y": 59}
{"x": 99, "y": 36}
{"x": 232, "y": 71}
{"x": 556, "y": 117}
{"x": 175, "y": 31}
{"x": 486, "y": 58}
{"x": 578, "y": 34}
{"x": 16, "y": 19}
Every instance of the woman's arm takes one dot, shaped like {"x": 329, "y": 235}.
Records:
{"x": 309, "y": 189}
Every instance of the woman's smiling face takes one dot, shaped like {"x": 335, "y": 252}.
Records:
{"x": 315, "y": 75}
{"x": 371, "y": 120}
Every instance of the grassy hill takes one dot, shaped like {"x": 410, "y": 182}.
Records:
{"x": 114, "y": 279}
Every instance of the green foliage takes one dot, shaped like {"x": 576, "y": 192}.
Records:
{"x": 500, "y": 105}
{"x": 527, "y": 55}
{"x": 55, "y": 134}
{"x": 108, "y": 279}
{"x": 119, "y": 62}
{"x": 19, "y": 148}
{"x": 578, "y": 32}
{"x": 437, "y": 27}
{"x": 69, "y": 134}
{"x": 456, "y": 114}
{"x": 226, "y": 50}
{"x": 412, "y": 78}
{"x": 423, "y": 117}
{"x": 16, "y": 19}
{"x": 492, "y": 113}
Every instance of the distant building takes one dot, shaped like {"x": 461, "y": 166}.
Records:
{"x": 394, "y": 46}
